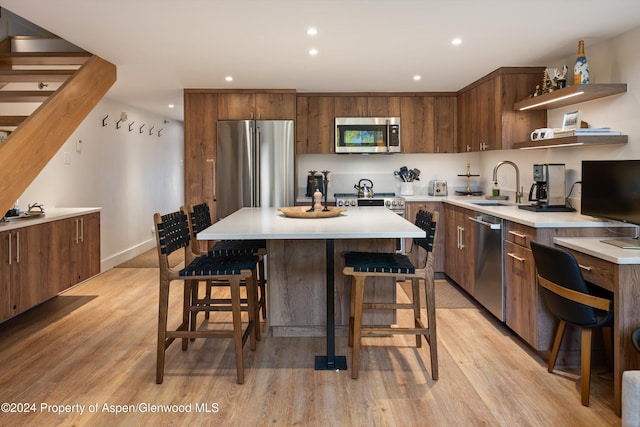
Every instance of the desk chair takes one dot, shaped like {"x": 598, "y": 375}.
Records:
{"x": 200, "y": 218}
{"x": 574, "y": 301}
{"x": 361, "y": 265}
{"x": 172, "y": 234}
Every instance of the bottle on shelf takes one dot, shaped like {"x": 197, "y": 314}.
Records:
{"x": 581, "y": 69}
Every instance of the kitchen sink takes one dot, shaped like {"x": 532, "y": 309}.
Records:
{"x": 491, "y": 203}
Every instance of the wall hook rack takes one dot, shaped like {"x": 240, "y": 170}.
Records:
{"x": 141, "y": 131}
{"x": 104, "y": 121}
{"x": 131, "y": 126}
{"x": 151, "y": 130}
{"x": 159, "y": 131}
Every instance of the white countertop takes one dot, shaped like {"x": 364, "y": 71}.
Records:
{"x": 269, "y": 223}
{"x": 511, "y": 212}
{"x": 595, "y": 247}
{"x": 50, "y": 214}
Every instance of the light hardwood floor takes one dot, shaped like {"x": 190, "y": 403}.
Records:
{"x": 95, "y": 344}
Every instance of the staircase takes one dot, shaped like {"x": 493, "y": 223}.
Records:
{"x": 47, "y": 88}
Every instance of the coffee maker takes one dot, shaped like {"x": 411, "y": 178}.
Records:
{"x": 548, "y": 189}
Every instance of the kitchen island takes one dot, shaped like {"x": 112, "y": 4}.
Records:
{"x": 308, "y": 294}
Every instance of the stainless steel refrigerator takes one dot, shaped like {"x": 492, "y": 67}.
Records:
{"x": 254, "y": 164}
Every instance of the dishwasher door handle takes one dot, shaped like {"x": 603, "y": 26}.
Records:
{"x": 490, "y": 225}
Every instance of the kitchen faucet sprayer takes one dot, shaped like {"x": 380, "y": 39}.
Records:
{"x": 519, "y": 189}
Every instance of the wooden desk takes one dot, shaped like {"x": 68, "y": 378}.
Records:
{"x": 617, "y": 270}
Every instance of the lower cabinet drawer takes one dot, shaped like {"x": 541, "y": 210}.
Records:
{"x": 595, "y": 270}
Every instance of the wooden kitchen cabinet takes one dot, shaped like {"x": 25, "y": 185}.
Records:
{"x": 23, "y": 269}
{"x": 367, "y": 106}
{"x": 75, "y": 251}
{"x": 200, "y": 134}
{"x": 247, "y": 105}
{"x": 521, "y": 292}
{"x": 428, "y": 124}
{"x": 315, "y": 124}
{"x": 459, "y": 263}
{"x": 411, "y": 209}
{"x": 486, "y": 118}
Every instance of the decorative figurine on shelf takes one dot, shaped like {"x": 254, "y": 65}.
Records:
{"x": 548, "y": 80}
{"x": 560, "y": 77}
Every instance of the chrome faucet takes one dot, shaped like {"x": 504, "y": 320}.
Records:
{"x": 519, "y": 189}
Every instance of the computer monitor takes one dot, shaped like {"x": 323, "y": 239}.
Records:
{"x": 611, "y": 190}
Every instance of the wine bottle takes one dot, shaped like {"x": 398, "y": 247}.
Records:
{"x": 581, "y": 69}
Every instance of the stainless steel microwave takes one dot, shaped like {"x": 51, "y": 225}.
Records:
{"x": 367, "y": 134}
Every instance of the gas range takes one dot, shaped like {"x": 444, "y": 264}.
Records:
{"x": 390, "y": 200}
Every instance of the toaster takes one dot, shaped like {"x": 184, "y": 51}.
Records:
{"x": 438, "y": 188}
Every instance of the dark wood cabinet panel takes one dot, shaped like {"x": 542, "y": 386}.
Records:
{"x": 275, "y": 106}
{"x": 236, "y": 106}
{"x": 351, "y": 106}
{"x": 315, "y": 125}
{"x": 445, "y": 121}
{"x": 486, "y": 117}
{"x": 200, "y": 133}
{"x": 417, "y": 124}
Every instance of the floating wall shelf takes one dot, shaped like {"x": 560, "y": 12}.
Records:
{"x": 570, "y": 95}
{"x": 570, "y": 141}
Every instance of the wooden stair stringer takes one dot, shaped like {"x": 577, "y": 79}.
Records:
{"x": 29, "y": 148}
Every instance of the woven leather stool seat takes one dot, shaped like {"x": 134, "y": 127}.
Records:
{"x": 375, "y": 262}
{"x": 221, "y": 265}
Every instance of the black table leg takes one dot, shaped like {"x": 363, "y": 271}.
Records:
{"x": 331, "y": 361}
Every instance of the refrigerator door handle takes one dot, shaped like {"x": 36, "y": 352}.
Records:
{"x": 213, "y": 177}
{"x": 256, "y": 156}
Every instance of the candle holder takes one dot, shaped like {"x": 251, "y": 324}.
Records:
{"x": 326, "y": 188}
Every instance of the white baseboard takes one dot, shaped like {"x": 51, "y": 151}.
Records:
{"x": 117, "y": 259}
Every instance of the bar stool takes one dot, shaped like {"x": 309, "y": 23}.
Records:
{"x": 200, "y": 218}
{"x": 172, "y": 234}
{"x": 361, "y": 265}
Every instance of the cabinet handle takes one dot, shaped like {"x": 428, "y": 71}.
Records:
{"x": 77, "y": 231}
{"x": 10, "y": 244}
{"x": 82, "y": 229}
{"x": 584, "y": 267}
{"x": 17, "y": 246}
{"x": 514, "y": 256}
{"x": 522, "y": 236}
{"x": 461, "y": 237}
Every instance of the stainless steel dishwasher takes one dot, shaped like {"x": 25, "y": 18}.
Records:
{"x": 489, "y": 282}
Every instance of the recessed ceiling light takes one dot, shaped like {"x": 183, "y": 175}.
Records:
{"x": 456, "y": 42}
{"x": 171, "y": 105}
{"x": 229, "y": 78}
{"x": 312, "y": 31}
{"x": 313, "y": 52}
{"x": 416, "y": 77}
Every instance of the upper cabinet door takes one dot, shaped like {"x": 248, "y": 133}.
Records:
{"x": 351, "y": 106}
{"x": 275, "y": 106}
{"x": 417, "y": 125}
{"x": 236, "y": 106}
{"x": 315, "y": 125}
{"x": 383, "y": 106}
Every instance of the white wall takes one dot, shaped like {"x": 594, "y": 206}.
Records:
{"x": 130, "y": 175}
{"x": 612, "y": 61}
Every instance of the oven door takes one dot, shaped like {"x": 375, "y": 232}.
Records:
{"x": 367, "y": 135}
